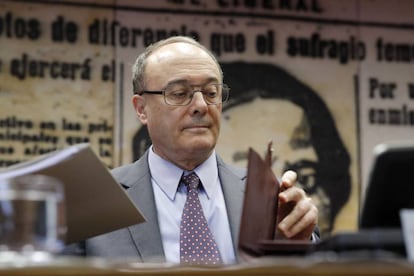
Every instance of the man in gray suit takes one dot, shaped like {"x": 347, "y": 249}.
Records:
{"x": 184, "y": 126}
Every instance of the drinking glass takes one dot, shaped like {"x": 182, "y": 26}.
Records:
{"x": 32, "y": 217}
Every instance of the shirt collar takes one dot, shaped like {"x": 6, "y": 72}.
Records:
{"x": 167, "y": 175}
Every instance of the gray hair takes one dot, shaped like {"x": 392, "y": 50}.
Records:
{"x": 138, "y": 68}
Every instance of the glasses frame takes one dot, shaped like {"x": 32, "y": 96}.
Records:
{"x": 225, "y": 90}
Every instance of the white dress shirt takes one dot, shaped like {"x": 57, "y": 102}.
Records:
{"x": 170, "y": 198}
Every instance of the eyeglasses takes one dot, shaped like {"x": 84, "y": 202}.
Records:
{"x": 182, "y": 93}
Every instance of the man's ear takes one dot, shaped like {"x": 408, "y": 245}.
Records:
{"x": 139, "y": 105}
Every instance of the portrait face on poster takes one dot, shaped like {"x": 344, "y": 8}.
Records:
{"x": 268, "y": 103}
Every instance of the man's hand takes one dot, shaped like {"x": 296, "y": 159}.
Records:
{"x": 297, "y": 215}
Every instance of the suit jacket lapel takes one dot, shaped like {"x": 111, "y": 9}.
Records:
{"x": 146, "y": 236}
{"x": 233, "y": 184}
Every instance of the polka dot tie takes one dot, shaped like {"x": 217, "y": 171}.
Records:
{"x": 197, "y": 245}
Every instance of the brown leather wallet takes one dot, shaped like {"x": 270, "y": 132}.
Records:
{"x": 258, "y": 235}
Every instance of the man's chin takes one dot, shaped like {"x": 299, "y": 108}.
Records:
{"x": 198, "y": 145}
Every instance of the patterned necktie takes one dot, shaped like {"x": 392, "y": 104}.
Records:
{"x": 197, "y": 245}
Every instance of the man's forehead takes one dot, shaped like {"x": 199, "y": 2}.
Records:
{"x": 180, "y": 60}
{"x": 176, "y": 50}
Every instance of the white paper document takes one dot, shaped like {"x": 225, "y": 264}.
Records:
{"x": 95, "y": 202}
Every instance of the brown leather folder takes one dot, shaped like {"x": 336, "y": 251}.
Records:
{"x": 258, "y": 229}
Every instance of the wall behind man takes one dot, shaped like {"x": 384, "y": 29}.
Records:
{"x": 65, "y": 69}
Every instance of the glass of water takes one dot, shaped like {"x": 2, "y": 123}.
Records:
{"x": 32, "y": 217}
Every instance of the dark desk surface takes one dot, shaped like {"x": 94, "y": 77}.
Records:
{"x": 314, "y": 265}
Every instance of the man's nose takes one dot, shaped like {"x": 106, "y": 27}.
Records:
{"x": 198, "y": 98}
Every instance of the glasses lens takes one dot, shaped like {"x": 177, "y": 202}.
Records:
{"x": 212, "y": 93}
{"x": 178, "y": 94}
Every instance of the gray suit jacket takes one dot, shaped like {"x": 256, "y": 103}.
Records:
{"x": 143, "y": 241}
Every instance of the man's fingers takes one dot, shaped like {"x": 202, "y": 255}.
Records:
{"x": 294, "y": 194}
{"x": 288, "y": 179}
{"x": 297, "y": 212}
{"x": 301, "y": 221}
